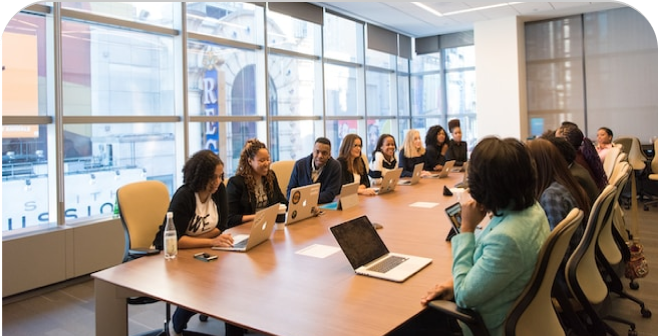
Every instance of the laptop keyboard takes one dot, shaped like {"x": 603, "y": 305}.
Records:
{"x": 241, "y": 243}
{"x": 387, "y": 264}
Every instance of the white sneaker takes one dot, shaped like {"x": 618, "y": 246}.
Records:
{"x": 172, "y": 332}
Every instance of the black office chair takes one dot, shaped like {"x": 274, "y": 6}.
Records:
{"x": 533, "y": 310}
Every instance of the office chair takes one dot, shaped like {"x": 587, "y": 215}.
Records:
{"x": 583, "y": 278}
{"x": 143, "y": 206}
{"x": 636, "y": 159}
{"x": 652, "y": 178}
{"x": 283, "y": 170}
{"x": 611, "y": 160}
{"x": 533, "y": 310}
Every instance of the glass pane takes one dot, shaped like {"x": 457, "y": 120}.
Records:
{"x": 426, "y": 98}
{"x": 288, "y": 33}
{"x": 380, "y": 93}
{"x": 380, "y": 59}
{"x": 403, "y": 96}
{"x": 426, "y": 63}
{"x": 460, "y": 92}
{"x": 24, "y": 67}
{"x": 293, "y": 140}
{"x": 156, "y": 13}
{"x": 295, "y": 86}
{"x": 113, "y": 72}
{"x": 343, "y": 39}
{"x": 337, "y": 130}
{"x": 238, "y": 21}
{"x": 222, "y": 80}
{"x": 461, "y": 57}
{"x": 342, "y": 86}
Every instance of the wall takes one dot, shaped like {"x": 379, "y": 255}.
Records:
{"x": 39, "y": 259}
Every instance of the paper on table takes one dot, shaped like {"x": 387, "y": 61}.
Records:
{"x": 318, "y": 251}
{"x": 423, "y": 204}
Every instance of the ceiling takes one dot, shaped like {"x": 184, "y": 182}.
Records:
{"x": 414, "y": 21}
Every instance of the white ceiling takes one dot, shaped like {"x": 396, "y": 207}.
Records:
{"x": 411, "y": 20}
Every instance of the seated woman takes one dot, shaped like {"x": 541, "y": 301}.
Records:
{"x": 491, "y": 269}
{"x": 457, "y": 149}
{"x": 586, "y": 154}
{"x": 254, "y": 186}
{"x": 436, "y": 147}
{"x": 557, "y": 190}
{"x": 383, "y": 157}
{"x": 351, "y": 162}
{"x": 603, "y": 142}
{"x": 412, "y": 153}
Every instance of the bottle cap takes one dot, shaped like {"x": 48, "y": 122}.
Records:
{"x": 170, "y": 214}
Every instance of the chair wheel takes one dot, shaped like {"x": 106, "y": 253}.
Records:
{"x": 634, "y": 285}
{"x": 204, "y": 318}
{"x": 646, "y": 313}
{"x": 632, "y": 333}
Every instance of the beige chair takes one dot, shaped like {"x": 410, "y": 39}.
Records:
{"x": 283, "y": 170}
{"x": 625, "y": 144}
{"x": 653, "y": 176}
{"x": 533, "y": 310}
{"x": 611, "y": 160}
{"x": 584, "y": 280}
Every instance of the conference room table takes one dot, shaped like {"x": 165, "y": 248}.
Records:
{"x": 276, "y": 289}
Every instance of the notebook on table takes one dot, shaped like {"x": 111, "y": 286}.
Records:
{"x": 261, "y": 230}
{"x": 368, "y": 254}
{"x": 303, "y": 203}
{"x": 415, "y": 175}
{"x": 389, "y": 181}
{"x": 349, "y": 197}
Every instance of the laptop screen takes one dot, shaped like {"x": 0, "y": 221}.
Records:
{"x": 359, "y": 241}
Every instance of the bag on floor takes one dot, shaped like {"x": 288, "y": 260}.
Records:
{"x": 637, "y": 266}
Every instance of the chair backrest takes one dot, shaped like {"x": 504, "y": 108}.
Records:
{"x": 583, "y": 277}
{"x": 534, "y": 309}
{"x": 365, "y": 160}
{"x": 625, "y": 143}
{"x": 611, "y": 159}
{"x": 606, "y": 241}
{"x": 143, "y": 207}
{"x": 283, "y": 170}
{"x": 636, "y": 156}
{"x": 654, "y": 161}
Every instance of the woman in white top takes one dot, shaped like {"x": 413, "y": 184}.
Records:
{"x": 383, "y": 158}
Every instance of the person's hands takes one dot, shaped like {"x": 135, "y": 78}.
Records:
{"x": 367, "y": 192}
{"x": 438, "y": 167}
{"x": 223, "y": 240}
{"x": 425, "y": 173}
{"x": 472, "y": 214}
{"x": 444, "y": 291}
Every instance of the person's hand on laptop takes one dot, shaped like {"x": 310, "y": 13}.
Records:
{"x": 472, "y": 214}
{"x": 444, "y": 291}
{"x": 223, "y": 240}
{"x": 367, "y": 191}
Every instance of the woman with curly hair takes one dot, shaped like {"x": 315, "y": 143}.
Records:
{"x": 436, "y": 147}
{"x": 200, "y": 216}
{"x": 254, "y": 186}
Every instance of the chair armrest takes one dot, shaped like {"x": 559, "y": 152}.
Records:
{"x": 469, "y": 317}
{"x": 140, "y": 252}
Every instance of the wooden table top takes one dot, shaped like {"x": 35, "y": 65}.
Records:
{"x": 274, "y": 290}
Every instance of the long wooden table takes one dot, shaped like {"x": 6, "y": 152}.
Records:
{"x": 273, "y": 290}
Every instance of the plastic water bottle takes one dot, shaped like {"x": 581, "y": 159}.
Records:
{"x": 170, "y": 238}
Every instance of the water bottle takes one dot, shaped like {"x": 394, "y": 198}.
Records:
{"x": 170, "y": 238}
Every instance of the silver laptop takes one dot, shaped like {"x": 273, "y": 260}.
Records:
{"x": 368, "y": 254}
{"x": 303, "y": 203}
{"x": 464, "y": 183}
{"x": 389, "y": 181}
{"x": 415, "y": 175}
{"x": 447, "y": 169}
{"x": 261, "y": 230}
{"x": 349, "y": 197}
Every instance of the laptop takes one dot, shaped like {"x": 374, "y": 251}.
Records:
{"x": 348, "y": 198}
{"x": 448, "y": 167}
{"x": 464, "y": 183}
{"x": 368, "y": 254}
{"x": 303, "y": 203}
{"x": 261, "y": 230}
{"x": 415, "y": 175}
{"x": 389, "y": 181}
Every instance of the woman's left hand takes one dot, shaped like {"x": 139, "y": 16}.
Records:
{"x": 472, "y": 214}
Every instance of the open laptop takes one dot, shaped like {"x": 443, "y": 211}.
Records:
{"x": 464, "y": 183}
{"x": 261, "y": 230}
{"x": 415, "y": 175}
{"x": 447, "y": 169}
{"x": 368, "y": 254}
{"x": 349, "y": 197}
{"x": 389, "y": 181}
{"x": 303, "y": 203}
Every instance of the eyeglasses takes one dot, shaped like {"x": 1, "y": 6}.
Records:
{"x": 357, "y": 145}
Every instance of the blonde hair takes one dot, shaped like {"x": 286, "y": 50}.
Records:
{"x": 410, "y": 151}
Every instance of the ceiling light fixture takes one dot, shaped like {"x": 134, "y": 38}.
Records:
{"x": 427, "y": 8}
{"x": 480, "y": 8}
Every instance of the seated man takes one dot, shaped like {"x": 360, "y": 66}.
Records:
{"x": 319, "y": 167}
